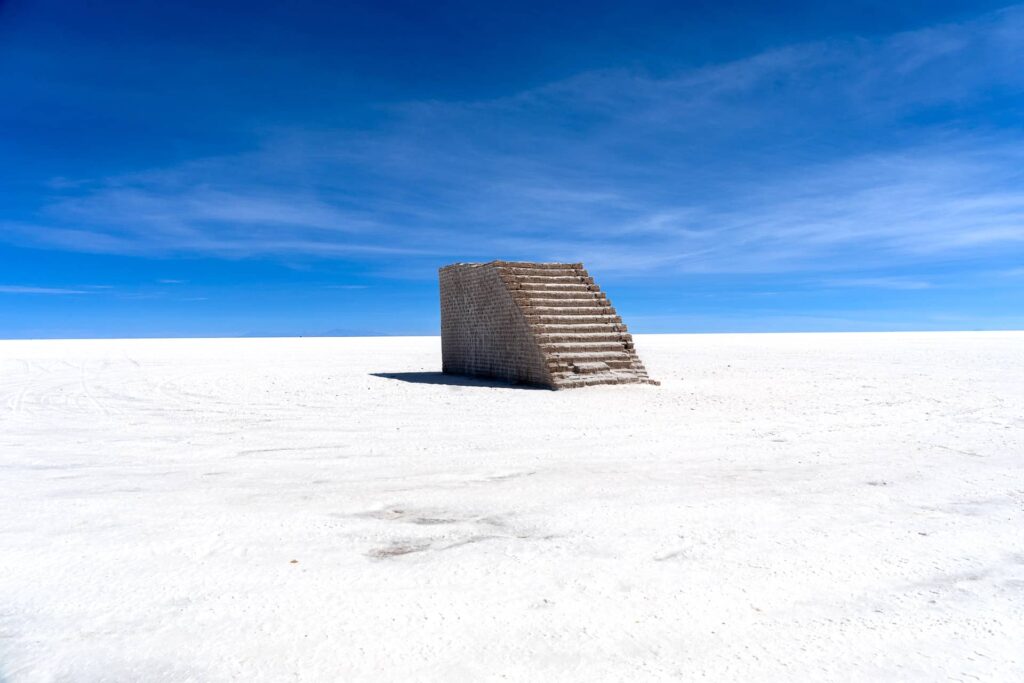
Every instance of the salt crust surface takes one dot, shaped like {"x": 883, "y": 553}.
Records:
{"x": 783, "y": 507}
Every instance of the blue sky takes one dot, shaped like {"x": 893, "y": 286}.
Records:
{"x": 267, "y": 168}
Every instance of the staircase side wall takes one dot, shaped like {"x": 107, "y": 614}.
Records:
{"x": 483, "y": 331}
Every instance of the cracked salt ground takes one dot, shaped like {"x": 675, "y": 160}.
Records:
{"x": 783, "y": 507}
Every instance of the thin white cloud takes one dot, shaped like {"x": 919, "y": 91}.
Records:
{"x": 54, "y": 291}
{"x": 879, "y": 283}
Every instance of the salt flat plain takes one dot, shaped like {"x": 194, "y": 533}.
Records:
{"x": 783, "y": 507}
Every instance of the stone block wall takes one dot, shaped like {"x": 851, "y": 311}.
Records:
{"x": 483, "y": 331}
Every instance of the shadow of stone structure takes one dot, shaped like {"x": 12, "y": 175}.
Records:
{"x": 452, "y": 380}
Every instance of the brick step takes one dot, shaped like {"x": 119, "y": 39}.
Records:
{"x": 572, "y": 381}
{"x": 624, "y": 363}
{"x": 596, "y": 309}
{"x": 545, "y": 295}
{"x": 546, "y": 272}
{"x": 556, "y": 287}
{"x": 564, "y": 368}
{"x": 581, "y": 293}
{"x": 589, "y": 356}
{"x": 538, "y": 266}
{"x": 558, "y": 327}
{"x": 542, "y": 298}
{"x": 579, "y": 347}
{"x": 569, "y": 373}
{"x": 558, "y": 295}
{"x": 589, "y": 368}
{"x": 563, "y": 320}
{"x": 550, "y": 280}
{"x": 563, "y": 303}
{"x": 585, "y": 337}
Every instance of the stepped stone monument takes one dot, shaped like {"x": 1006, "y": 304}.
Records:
{"x": 536, "y": 323}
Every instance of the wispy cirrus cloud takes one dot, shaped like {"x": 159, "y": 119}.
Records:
{"x": 843, "y": 155}
{"x": 879, "y": 283}
{"x": 52, "y": 291}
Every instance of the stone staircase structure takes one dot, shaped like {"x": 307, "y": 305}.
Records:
{"x": 547, "y": 324}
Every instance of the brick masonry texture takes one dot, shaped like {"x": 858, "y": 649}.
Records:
{"x": 546, "y": 324}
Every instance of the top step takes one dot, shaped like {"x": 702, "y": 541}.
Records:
{"x": 560, "y": 278}
{"x": 545, "y": 273}
{"x": 539, "y": 266}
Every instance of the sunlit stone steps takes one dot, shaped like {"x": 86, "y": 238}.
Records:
{"x": 582, "y": 337}
{"x": 540, "y": 323}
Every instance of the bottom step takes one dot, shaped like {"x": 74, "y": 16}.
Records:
{"x": 572, "y": 380}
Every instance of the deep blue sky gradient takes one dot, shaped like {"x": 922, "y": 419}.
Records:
{"x": 268, "y": 168}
